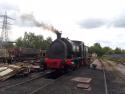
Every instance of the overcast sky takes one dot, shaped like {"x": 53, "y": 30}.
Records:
{"x": 91, "y": 21}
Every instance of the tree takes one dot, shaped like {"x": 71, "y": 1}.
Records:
{"x": 30, "y": 40}
{"x": 100, "y": 51}
{"x": 107, "y": 50}
{"x": 96, "y": 48}
{"x": 123, "y": 51}
{"x": 117, "y": 50}
{"x": 19, "y": 42}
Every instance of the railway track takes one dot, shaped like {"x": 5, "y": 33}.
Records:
{"x": 55, "y": 77}
{"x": 37, "y": 84}
{"x": 122, "y": 64}
{"x": 35, "y": 77}
{"x": 117, "y": 72}
{"x": 30, "y": 86}
{"x": 112, "y": 78}
{"x": 105, "y": 77}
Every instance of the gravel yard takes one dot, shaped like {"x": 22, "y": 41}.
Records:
{"x": 64, "y": 84}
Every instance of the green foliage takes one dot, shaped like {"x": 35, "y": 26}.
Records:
{"x": 19, "y": 42}
{"x": 117, "y": 51}
{"x": 30, "y": 40}
{"x": 107, "y": 50}
{"x": 96, "y": 48}
{"x": 100, "y": 51}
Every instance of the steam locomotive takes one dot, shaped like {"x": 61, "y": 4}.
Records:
{"x": 65, "y": 54}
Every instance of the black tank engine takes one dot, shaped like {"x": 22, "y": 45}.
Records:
{"x": 66, "y": 53}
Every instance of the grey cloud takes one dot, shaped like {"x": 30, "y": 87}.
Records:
{"x": 111, "y": 44}
{"x": 107, "y": 43}
{"x": 8, "y": 7}
{"x": 92, "y": 23}
{"x": 11, "y": 10}
{"x": 119, "y": 22}
{"x": 104, "y": 42}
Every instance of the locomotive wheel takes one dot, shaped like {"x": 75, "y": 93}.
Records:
{"x": 73, "y": 68}
{"x": 44, "y": 67}
{"x": 65, "y": 69}
{"x": 68, "y": 68}
{"x": 78, "y": 66}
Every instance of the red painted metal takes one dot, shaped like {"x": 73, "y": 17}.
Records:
{"x": 57, "y": 63}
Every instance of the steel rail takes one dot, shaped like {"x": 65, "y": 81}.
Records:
{"x": 21, "y": 83}
{"x": 104, "y": 75}
{"x": 38, "y": 89}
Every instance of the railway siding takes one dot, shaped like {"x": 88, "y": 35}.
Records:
{"x": 115, "y": 78}
{"x": 117, "y": 67}
{"x": 64, "y": 85}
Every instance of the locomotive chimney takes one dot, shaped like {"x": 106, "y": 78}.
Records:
{"x": 58, "y": 35}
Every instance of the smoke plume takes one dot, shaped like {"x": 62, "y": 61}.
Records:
{"x": 33, "y": 21}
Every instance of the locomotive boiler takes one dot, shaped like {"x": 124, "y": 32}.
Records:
{"x": 66, "y": 54}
